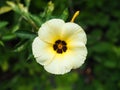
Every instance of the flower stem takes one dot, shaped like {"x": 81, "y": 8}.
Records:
{"x": 74, "y": 16}
{"x": 31, "y": 22}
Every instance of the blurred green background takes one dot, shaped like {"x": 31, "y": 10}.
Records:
{"x": 19, "y": 22}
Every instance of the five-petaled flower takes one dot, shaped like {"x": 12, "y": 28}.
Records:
{"x": 60, "y": 46}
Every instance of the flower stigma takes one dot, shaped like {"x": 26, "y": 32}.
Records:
{"x": 60, "y": 46}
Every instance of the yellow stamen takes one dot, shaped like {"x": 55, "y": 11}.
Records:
{"x": 74, "y": 16}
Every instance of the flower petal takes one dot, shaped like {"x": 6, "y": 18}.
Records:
{"x": 80, "y": 54}
{"x": 63, "y": 63}
{"x": 43, "y": 52}
{"x": 51, "y": 30}
{"x": 58, "y": 65}
{"x": 73, "y": 33}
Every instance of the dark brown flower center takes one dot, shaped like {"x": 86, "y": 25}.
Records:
{"x": 60, "y": 46}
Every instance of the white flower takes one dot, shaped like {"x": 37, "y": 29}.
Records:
{"x": 60, "y": 46}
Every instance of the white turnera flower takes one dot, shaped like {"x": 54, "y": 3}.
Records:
{"x": 60, "y": 46}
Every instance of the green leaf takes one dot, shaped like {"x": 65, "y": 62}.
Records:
{"x": 5, "y": 65}
{"x": 19, "y": 7}
{"x": 27, "y": 3}
{"x": 47, "y": 14}
{"x": 117, "y": 51}
{"x": 110, "y": 63}
{"x": 5, "y": 9}
{"x": 21, "y": 47}
{"x": 102, "y": 47}
{"x": 50, "y": 7}
{"x": 64, "y": 14}
{"x": 3, "y": 24}
{"x": 36, "y": 19}
{"x": 94, "y": 36}
{"x": 25, "y": 34}
{"x": 1, "y": 43}
{"x": 13, "y": 6}
{"x": 8, "y": 37}
{"x": 113, "y": 32}
{"x": 109, "y": 59}
{"x": 98, "y": 85}
{"x": 15, "y": 28}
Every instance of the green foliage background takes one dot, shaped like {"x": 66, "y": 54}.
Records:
{"x": 18, "y": 27}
